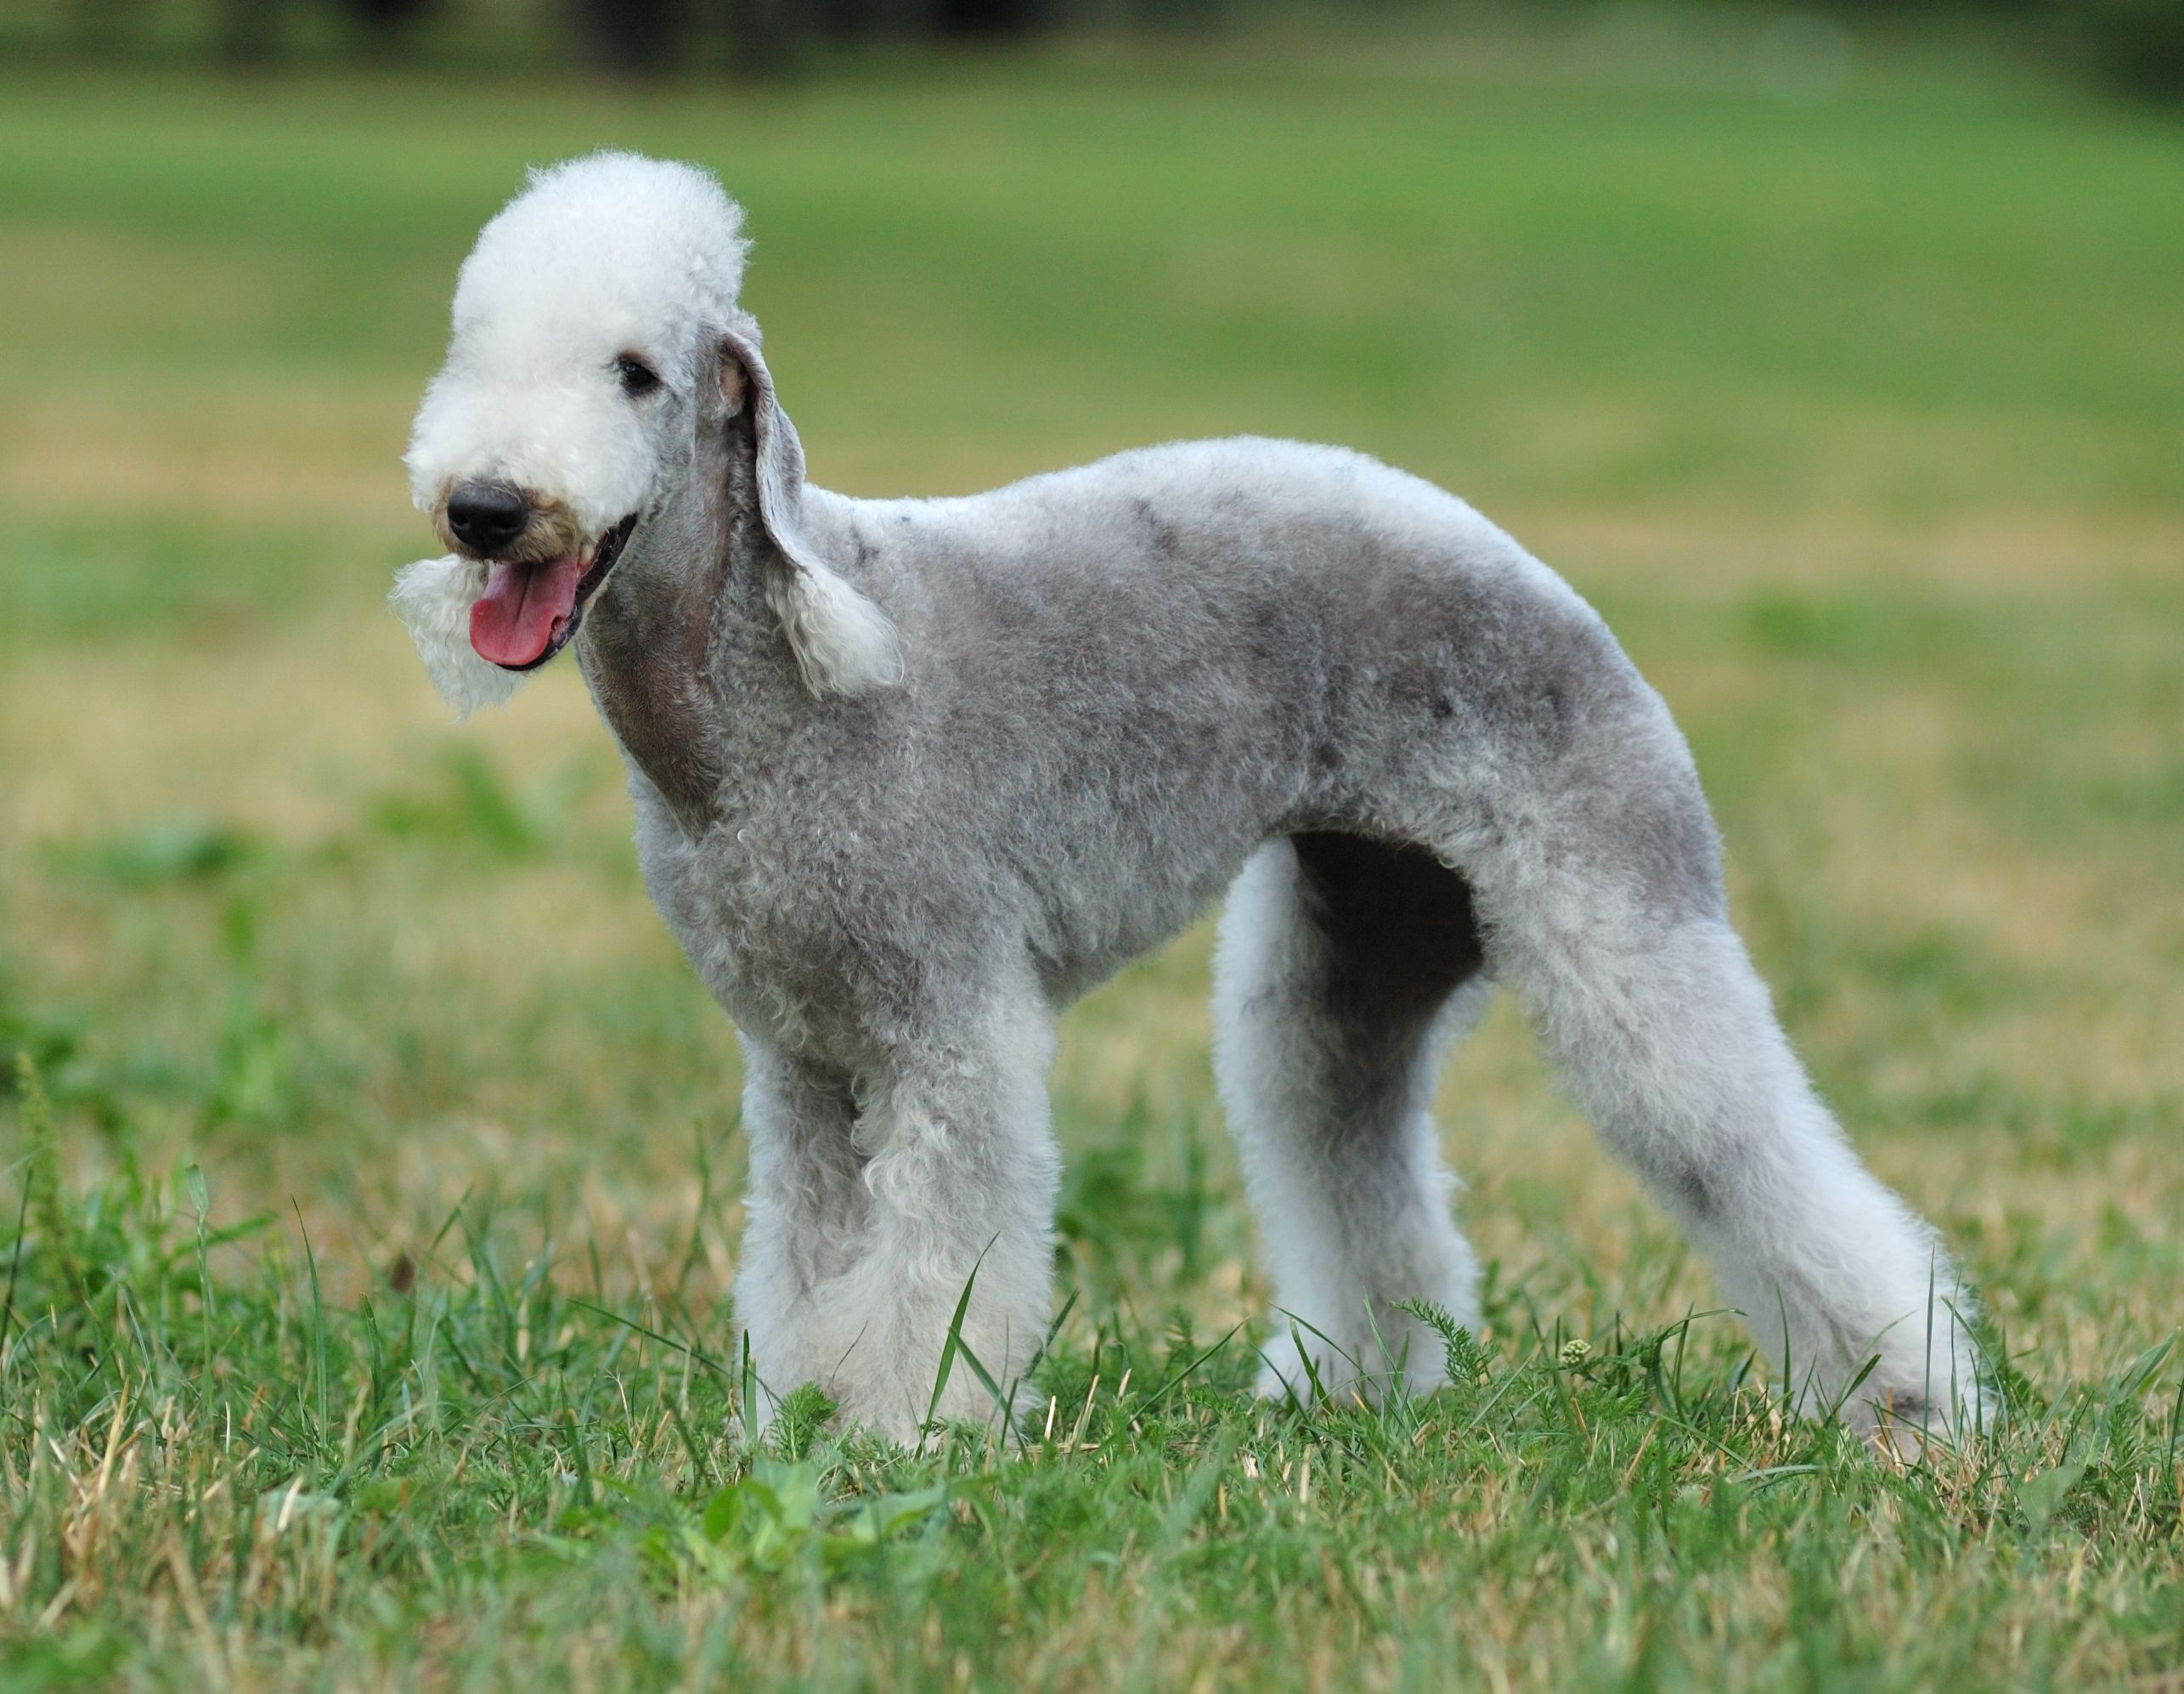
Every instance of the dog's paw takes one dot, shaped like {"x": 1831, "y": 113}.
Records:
{"x": 1906, "y": 1424}
{"x": 1305, "y": 1369}
{"x": 1282, "y": 1372}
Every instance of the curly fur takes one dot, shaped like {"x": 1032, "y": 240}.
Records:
{"x": 908, "y": 775}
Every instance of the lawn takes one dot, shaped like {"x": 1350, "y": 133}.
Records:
{"x": 376, "y": 1155}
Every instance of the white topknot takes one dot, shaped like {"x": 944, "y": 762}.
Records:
{"x": 572, "y": 232}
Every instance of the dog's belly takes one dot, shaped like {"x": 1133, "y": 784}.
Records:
{"x": 1078, "y": 942}
{"x": 839, "y": 954}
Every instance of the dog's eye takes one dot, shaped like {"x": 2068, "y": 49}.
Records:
{"x": 637, "y": 376}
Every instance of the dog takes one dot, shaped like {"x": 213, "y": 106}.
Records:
{"x": 909, "y": 775}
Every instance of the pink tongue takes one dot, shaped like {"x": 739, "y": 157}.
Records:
{"x": 523, "y": 608}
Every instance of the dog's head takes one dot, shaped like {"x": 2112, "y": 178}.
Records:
{"x": 596, "y": 339}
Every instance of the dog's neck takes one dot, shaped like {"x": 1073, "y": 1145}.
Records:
{"x": 682, "y": 640}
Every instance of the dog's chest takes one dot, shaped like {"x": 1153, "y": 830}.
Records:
{"x": 782, "y": 941}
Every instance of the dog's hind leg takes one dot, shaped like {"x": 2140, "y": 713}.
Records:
{"x": 1345, "y": 969}
{"x": 1604, "y": 917}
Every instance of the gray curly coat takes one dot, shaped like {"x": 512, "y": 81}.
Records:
{"x": 909, "y": 775}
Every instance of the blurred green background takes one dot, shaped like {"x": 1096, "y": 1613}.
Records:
{"x": 1860, "y": 418}
{"x": 1839, "y": 360}
{"x": 2134, "y": 47}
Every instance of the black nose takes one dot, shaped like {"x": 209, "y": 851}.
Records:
{"x": 486, "y": 517}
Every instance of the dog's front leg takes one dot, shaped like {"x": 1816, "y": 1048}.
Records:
{"x": 956, "y": 1191}
{"x": 807, "y": 1215}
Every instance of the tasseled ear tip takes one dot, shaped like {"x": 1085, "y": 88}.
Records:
{"x": 844, "y": 644}
{"x": 433, "y": 598}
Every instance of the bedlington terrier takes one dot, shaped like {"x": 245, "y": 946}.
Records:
{"x": 909, "y": 775}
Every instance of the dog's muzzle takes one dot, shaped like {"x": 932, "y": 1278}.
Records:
{"x": 531, "y": 609}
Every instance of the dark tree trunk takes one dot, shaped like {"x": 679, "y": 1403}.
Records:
{"x": 249, "y": 31}
{"x": 631, "y": 38}
{"x": 870, "y": 20}
{"x": 766, "y": 37}
{"x": 991, "y": 17}
{"x": 386, "y": 24}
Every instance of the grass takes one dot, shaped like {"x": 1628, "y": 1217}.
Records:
{"x": 377, "y": 1158}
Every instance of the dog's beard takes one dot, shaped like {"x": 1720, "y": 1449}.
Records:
{"x": 433, "y": 597}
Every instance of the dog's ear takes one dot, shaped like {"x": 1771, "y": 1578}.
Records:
{"x": 844, "y": 644}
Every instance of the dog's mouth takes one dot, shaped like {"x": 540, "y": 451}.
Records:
{"x": 531, "y": 609}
